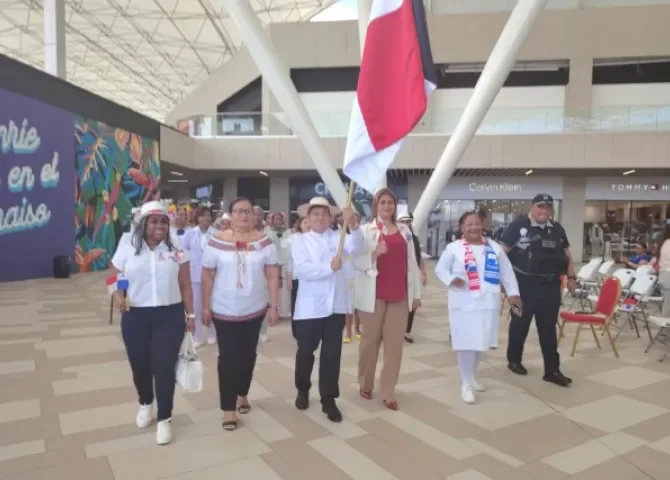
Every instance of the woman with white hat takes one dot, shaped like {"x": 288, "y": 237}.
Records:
{"x": 153, "y": 318}
{"x": 323, "y": 301}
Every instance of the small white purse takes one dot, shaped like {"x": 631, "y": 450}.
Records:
{"x": 189, "y": 369}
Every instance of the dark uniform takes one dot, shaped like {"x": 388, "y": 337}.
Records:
{"x": 537, "y": 254}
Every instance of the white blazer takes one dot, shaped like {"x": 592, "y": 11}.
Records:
{"x": 365, "y": 293}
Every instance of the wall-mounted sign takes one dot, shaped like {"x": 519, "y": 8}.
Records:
{"x": 501, "y": 188}
{"x": 614, "y": 188}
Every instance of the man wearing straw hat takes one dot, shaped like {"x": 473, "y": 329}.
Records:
{"x": 323, "y": 300}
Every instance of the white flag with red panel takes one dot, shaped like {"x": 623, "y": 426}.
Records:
{"x": 396, "y": 78}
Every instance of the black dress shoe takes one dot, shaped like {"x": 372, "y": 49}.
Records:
{"x": 517, "y": 368}
{"x": 302, "y": 401}
{"x": 558, "y": 379}
{"x": 565, "y": 379}
{"x": 332, "y": 412}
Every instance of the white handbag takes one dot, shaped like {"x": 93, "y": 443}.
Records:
{"x": 189, "y": 369}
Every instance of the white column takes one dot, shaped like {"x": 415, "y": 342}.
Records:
{"x": 493, "y": 76}
{"x": 229, "y": 191}
{"x": 54, "y": 38}
{"x": 279, "y": 194}
{"x": 277, "y": 77}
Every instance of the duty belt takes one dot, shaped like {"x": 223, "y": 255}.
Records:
{"x": 548, "y": 276}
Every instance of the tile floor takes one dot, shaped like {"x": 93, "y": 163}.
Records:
{"x": 67, "y": 408}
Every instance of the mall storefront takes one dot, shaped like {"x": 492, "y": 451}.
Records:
{"x": 302, "y": 189}
{"x": 501, "y": 199}
{"x": 621, "y": 213}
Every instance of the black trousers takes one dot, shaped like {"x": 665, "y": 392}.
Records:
{"x": 542, "y": 299}
{"x": 238, "y": 342}
{"x": 294, "y": 297}
{"x": 153, "y": 336}
{"x": 309, "y": 333}
{"x": 410, "y": 321}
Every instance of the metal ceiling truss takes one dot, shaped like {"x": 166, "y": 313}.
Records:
{"x": 144, "y": 54}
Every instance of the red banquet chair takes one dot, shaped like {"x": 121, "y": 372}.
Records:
{"x": 604, "y": 312}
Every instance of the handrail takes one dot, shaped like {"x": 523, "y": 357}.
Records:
{"x": 498, "y": 121}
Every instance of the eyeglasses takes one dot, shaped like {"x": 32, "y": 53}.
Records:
{"x": 242, "y": 211}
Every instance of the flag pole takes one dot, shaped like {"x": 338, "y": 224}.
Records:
{"x": 496, "y": 70}
{"x": 343, "y": 230}
{"x": 277, "y": 77}
{"x": 364, "y": 7}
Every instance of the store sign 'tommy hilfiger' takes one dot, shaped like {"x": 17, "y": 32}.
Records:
{"x": 640, "y": 187}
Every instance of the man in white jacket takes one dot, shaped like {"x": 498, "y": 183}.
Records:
{"x": 323, "y": 301}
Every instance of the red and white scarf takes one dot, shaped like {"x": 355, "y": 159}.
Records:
{"x": 491, "y": 267}
{"x": 471, "y": 268}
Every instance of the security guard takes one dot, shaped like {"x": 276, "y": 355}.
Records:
{"x": 538, "y": 249}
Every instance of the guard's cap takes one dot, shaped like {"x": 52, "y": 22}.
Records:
{"x": 543, "y": 199}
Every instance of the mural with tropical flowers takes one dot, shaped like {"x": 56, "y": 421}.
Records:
{"x": 116, "y": 171}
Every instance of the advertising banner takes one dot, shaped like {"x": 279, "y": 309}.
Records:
{"x": 36, "y": 186}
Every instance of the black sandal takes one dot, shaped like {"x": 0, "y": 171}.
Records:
{"x": 244, "y": 409}
{"x": 229, "y": 425}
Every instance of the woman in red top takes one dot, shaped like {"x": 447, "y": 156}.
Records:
{"x": 388, "y": 286}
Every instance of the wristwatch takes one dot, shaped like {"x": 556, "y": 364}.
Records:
{"x": 191, "y": 316}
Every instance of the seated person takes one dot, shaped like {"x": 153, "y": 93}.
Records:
{"x": 639, "y": 258}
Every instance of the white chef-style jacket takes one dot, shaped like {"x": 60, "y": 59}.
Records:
{"x": 474, "y": 317}
{"x": 322, "y": 292}
{"x": 152, "y": 275}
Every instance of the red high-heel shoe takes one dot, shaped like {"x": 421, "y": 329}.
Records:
{"x": 366, "y": 395}
{"x": 393, "y": 405}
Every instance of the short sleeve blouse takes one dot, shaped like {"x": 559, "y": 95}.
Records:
{"x": 240, "y": 290}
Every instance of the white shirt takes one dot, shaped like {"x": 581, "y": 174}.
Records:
{"x": 239, "y": 295}
{"x": 322, "y": 292}
{"x": 152, "y": 275}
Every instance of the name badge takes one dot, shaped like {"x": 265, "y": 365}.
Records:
{"x": 548, "y": 244}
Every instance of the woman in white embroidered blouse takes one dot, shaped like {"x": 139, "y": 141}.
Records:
{"x": 473, "y": 268}
{"x": 238, "y": 267}
{"x": 157, "y": 291}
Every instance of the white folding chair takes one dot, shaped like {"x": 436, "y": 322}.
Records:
{"x": 603, "y": 272}
{"x": 634, "y": 306}
{"x": 663, "y": 335}
{"x": 587, "y": 273}
{"x": 625, "y": 276}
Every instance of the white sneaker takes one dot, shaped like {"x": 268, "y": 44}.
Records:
{"x": 164, "y": 432}
{"x": 467, "y": 394}
{"x": 144, "y": 416}
{"x": 478, "y": 387}
{"x": 211, "y": 340}
{"x": 264, "y": 338}
{"x": 196, "y": 343}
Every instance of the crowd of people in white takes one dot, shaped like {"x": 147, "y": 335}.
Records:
{"x": 221, "y": 281}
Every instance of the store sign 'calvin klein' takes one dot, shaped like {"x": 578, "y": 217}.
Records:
{"x": 502, "y": 187}
{"x": 640, "y": 187}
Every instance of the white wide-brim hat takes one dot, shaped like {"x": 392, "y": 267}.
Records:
{"x": 152, "y": 208}
{"x": 303, "y": 210}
